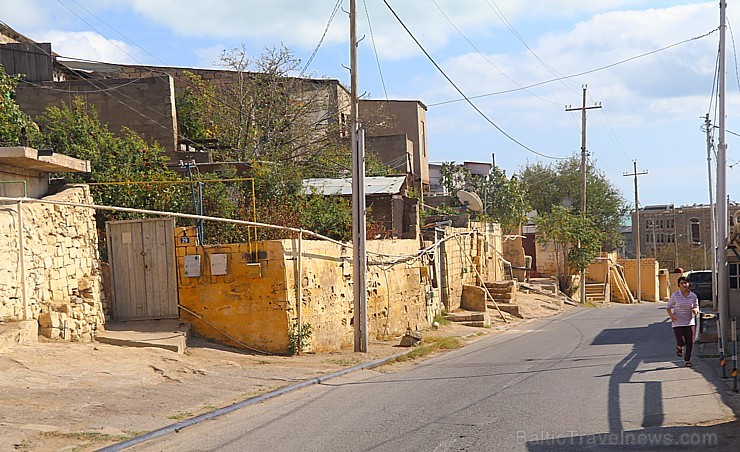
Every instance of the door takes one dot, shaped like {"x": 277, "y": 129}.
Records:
{"x": 143, "y": 269}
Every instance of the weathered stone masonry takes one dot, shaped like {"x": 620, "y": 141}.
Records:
{"x": 62, "y": 268}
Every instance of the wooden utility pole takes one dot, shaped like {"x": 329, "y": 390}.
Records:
{"x": 636, "y": 226}
{"x": 584, "y": 154}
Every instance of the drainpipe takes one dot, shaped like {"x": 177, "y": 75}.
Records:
{"x": 22, "y": 262}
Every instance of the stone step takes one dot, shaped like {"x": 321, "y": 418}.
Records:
{"x": 469, "y": 317}
{"x": 507, "y": 308}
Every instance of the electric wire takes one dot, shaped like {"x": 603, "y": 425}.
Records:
{"x": 380, "y": 70}
{"x": 492, "y": 4}
{"x": 326, "y": 30}
{"x": 590, "y": 71}
{"x": 485, "y": 57}
{"x": 467, "y": 99}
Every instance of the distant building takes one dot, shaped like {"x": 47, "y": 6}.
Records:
{"x": 677, "y": 236}
{"x": 395, "y": 118}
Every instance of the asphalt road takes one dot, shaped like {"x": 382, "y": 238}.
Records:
{"x": 590, "y": 379}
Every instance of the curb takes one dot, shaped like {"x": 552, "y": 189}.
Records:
{"x": 174, "y": 428}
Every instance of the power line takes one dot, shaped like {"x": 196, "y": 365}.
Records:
{"x": 326, "y": 30}
{"x": 642, "y": 55}
{"x": 486, "y": 58}
{"x": 467, "y": 99}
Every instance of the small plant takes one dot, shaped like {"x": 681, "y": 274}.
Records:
{"x": 441, "y": 319}
{"x": 298, "y": 340}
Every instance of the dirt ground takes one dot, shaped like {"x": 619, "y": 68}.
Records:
{"x": 73, "y": 396}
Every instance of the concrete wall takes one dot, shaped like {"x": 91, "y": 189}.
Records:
{"x": 37, "y": 184}
{"x": 146, "y": 105}
{"x": 396, "y": 151}
{"x": 650, "y": 290}
{"x": 397, "y": 295}
{"x": 383, "y": 117}
{"x": 513, "y": 251}
{"x": 63, "y": 284}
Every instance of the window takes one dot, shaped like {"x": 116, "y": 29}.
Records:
{"x": 659, "y": 238}
{"x": 648, "y": 223}
{"x": 694, "y": 230}
{"x": 671, "y": 238}
{"x": 649, "y": 237}
{"x": 669, "y": 223}
{"x": 734, "y": 275}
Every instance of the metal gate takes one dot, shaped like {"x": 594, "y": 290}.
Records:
{"x": 143, "y": 269}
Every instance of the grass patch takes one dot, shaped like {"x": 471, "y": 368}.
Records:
{"x": 441, "y": 319}
{"x": 91, "y": 437}
{"x": 344, "y": 361}
{"x": 263, "y": 361}
{"x": 180, "y": 416}
{"x": 434, "y": 344}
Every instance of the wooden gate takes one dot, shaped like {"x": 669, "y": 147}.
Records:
{"x": 143, "y": 269}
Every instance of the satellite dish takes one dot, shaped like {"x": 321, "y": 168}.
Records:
{"x": 471, "y": 200}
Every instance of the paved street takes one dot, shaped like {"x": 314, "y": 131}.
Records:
{"x": 588, "y": 379}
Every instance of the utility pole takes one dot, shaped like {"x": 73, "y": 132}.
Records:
{"x": 712, "y": 216}
{"x": 583, "y": 109}
{"x": 636, "y": 226}
{"x": 359, "y": 234}
{"x": 722, "y": 217}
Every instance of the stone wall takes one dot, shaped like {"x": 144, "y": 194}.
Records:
{"x": 63, "y": 285}
{"x": 464, "y": 254}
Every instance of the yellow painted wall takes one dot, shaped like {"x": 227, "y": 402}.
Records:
{"x": 249, "y": 303}
{"x": 648, "y": 276}
{"x": 256, "y": 301}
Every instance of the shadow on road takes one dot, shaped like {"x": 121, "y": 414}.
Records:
{"x": 632, "y": 369}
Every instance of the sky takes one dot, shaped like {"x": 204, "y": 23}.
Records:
{"x": 650, "y": 64}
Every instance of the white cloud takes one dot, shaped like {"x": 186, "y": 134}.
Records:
{"x": 89, "y": 46}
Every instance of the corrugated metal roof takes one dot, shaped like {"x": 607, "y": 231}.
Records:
{"x": 377, "y": 185}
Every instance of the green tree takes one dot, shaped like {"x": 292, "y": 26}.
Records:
{"x": 503, "y": 198}
{"x": 559, "y": 184}
{"x": 577, "y": 241}
{"x": 127, "y": 159}
{"x": 13, "y": 122}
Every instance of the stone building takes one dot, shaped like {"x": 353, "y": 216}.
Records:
{"x": 678, "y": 236}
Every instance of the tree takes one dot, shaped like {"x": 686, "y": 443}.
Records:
{"x": 15, "y": 126}
{"x": 503, "y": 198}
{"x": 577, "y": 241}
{"x": 284, "y": 127}
{"x": 550, "y": 186}
{"x": 76, "y": 131}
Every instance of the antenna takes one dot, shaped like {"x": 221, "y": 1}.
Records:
{"x": 470, "y": 200}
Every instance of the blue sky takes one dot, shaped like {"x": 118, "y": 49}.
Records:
{"x": 651, "y": 105}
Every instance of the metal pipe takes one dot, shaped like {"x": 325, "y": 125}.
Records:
{"x": 299, "y": 301}
{"x": 19, "y": 181}
{"x": 734, "y": 354}
{"x": 22, "y": 262}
